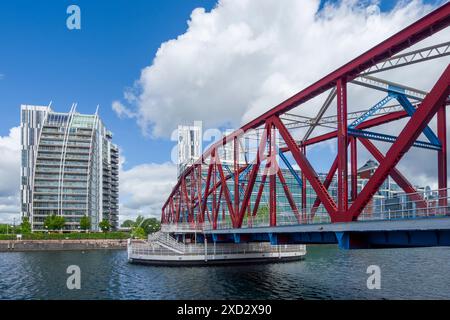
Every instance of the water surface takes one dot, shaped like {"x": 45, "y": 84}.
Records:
{"x": 326, "y": 273}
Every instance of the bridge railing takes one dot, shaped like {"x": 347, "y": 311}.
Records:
{"x": 418, "y": 205}
{"x": 423, "y": 204}
{"x": 150, "y": 249}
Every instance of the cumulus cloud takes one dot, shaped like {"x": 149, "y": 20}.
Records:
{"x": 244, "y": 57}
{"x": 10, "y": 175}
{"x": 144, "y": 189}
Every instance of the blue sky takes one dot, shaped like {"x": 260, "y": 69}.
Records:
{"x": 223, "y": 69}
{"x": 42, "y": 61}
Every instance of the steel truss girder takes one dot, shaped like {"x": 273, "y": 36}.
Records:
{"x": 423, "y": 28}
{"x": 389, "y": 86}
{"x": 419, "y": 120}
{"x": 370, "y": 112}
{"x": 389, "y": 138}
{"x": 408, "y": 58}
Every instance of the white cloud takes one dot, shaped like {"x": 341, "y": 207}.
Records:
{"x": 145, "y": 188}
{"x": 245, "y": 56}
{"x": 122, "y": 111}
{"x": 10, "y": 175}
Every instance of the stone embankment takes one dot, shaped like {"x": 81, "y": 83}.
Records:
{"x": 58, "y": 245}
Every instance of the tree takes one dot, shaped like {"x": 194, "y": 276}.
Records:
{"x": 139, "y": 220}
{"x": 104, "y": 225}
{"x": 25, "y": 226}
{"x": 85, "y": 223}
{"x": 151, "y": 225}
{"x": 128, "y": 224}
{"x": 138, "y": 232}
{"x": 54, "y": 222}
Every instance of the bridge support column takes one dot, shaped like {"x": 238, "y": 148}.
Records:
{"x": 303, "y": 149}
{"x": 236, "y": 174}
{"x": 352, "y": 240}
{"x": 273, "y": 239}
{"x": 442, "y": 157}
{"x": 354, "y": 168}
{"x": 272, "y": 179}
{"x": 342, "y": 137}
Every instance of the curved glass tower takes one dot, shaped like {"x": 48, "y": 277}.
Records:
{"x": 69, "y": 168}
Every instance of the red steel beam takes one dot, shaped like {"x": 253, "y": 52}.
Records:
{"x": 217, "y": 209}
{"x": 214, "y": 202}
{"x": 253, "y": 175}
{"x": 225, "y": 190}
{"x": 306, "y": 168}
{"x": 261, "y": 188}
{"x": 354, "y": 167}
{"x": 272, "y": 179}
{"x": 342, "y": 146}
{"x": 395, "y": 174}
{"x": 289, "y": 196}
{"x": 442, "y": 156}
{"x": 236, "y": 173}
{"x": 303, "y": 149}
{"x": 326, "y": 183}
{"x": 208, "y": 182}
{"x": 419, "y": 120}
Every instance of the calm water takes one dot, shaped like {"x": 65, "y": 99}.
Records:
{"x": 325, "y": 273}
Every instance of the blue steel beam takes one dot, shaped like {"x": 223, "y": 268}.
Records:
{"x": 389, "y": 138}
{"x": 370, "y": 112}
{"x": 409, "y": 108}
{"x": 291, "y": 169}
{"x": 241, "y": 190}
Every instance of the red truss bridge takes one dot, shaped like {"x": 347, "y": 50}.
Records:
{"x": 257, "y": 183}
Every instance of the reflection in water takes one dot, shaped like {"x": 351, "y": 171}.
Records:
{"x": 326, "y": 273}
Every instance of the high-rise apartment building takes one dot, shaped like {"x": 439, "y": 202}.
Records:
{"x": 189, "y": 145}
{"x": 70, "y": 167}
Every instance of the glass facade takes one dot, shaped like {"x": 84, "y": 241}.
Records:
{"x": 69, "y": 168}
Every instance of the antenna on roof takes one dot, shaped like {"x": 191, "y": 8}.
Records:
{"x": 96, "y": 111}
{"x": 50, "y": 104}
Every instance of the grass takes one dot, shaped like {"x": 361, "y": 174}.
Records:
{"x": 68, "y": 236}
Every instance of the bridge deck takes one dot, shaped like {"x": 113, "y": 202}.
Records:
{"x": 438, "y": 223}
